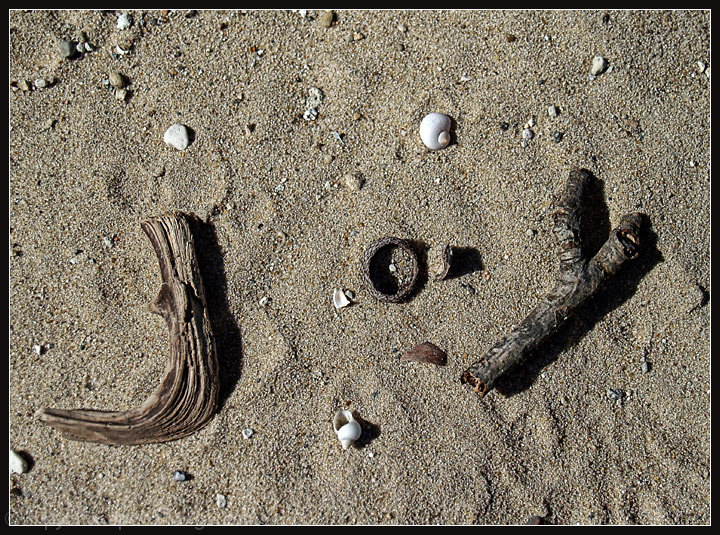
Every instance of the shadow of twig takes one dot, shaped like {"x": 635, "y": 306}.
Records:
{"x": 228, "y": 340}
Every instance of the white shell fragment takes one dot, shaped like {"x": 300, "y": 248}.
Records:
{"x": 177, "y": 136}
{"x": 346, "y": 428}
{"x": 599, "y": 65}
{"x": 340, "y": 299}
{"x": 435, "y": 130}
{"x": 18, "y": 465}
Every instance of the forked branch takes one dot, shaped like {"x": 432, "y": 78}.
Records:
{"x": 187, "y": 397}
{"x": 577, "y": 279}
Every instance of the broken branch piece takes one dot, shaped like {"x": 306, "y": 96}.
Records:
{"x": 577, "y": 280}
{"x": 187, "y": 397}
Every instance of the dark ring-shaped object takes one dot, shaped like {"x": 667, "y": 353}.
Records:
{"x": 404, "y": 289}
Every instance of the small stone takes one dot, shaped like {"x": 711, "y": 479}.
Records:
{"x": 108, "y": 242}
{"x": 68, "y": 49}
{"x": 645, "y": 366}
{"x": 357, "y": 36}
{"x": 599, "y": 64}
{"x": 354, "y": 181}
{"x": 557, "y": 137}
{"x": 40, "y": 83}
{"x": 247, "y": 433}
{"x": 401, "y": 27}
{"x": 357, "y": 116}
{"x": 264, "y": 301}
{"x": 220, "y": 500}
{"x": 116, "y": 79}
{"x": 18, "y": 465}
{"x": 314, "y": 98}
{"x": 527, "y": 133}
{"x": 177, "y": 136}
{"x": 23, "y": 85}
{"x": 530, "y": 233}
{"x": 701, "y": 66}
{"x": 124, "y": 21}
{"x": 326, "y": 19}
{"x": 310, "y": 114}
{"x": 121, "y": 94}
{"x": 504, "y": 126}
{"x": 553, "y": 111}
{"x": 179, "y": 475}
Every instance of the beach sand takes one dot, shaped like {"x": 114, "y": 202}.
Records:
{"x": 86, "y": 168}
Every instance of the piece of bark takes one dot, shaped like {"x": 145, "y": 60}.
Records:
{"x": 577, "y": 280}
{"x": 187, "y": 396}
{"x": 426, "y": 352}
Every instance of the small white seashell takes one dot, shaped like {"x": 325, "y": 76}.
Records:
{"x": 18, "y": 465}
{"x": 340, "y": 300}
{"x": 346, "y": 428}
{"x": 435, "y": 130}
{"x": 177, "y": 136}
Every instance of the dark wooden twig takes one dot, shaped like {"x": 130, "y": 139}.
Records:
{"x": 187, "y": 397}
{"x": 577, "y": 279}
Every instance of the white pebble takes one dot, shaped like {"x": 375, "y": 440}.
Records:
{"x": 527, "y": 134}
{"x": 599, "y": 64}
{"x": 18, "y": 465}
{"x": 220, "y": 500}
{"x": 177, "y": 136}
{"x": 247, "y": 433}
{"x": 552, "y": 111}
{"x": 124, "y": 21}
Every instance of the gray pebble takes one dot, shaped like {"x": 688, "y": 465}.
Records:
{"x": 326, "y": 19}
{"x": 116, "y": 79}
{"x": 179, "y": 475}
{"x": 645, "y": 366}
{"x": 354, "y": 181}
{"x": 527, "y": 133}
{"x": 557, "y": 137}
{"x": 68, "y": 49}
{"x": 553, "y": 111}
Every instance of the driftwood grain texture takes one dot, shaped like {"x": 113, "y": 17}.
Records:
{"x": 187, "y": 397}
{"x": 578, "y": 278}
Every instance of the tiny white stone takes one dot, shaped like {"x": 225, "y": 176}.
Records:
{"x": 124, "y": 21}
{"x": 527, "y": 134}
{"x": 40, "y": 83}
{"x": 247, "y": 433}
{"x": 552, "y": 111}
{"x": 264, "y": 301}
{"x": 18, "y": 465}
{"x": 701, "y": 66}
{"x": 599, "y": 64}
{"x": 220, "y": 500}
{"x": 177, "y": 136}
{"x": 38, "y": 349}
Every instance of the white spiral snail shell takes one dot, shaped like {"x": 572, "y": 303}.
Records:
{"x": 435, "y": 130}
{"x": 346, "y": 428}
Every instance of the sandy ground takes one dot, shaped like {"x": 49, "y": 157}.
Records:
{"x": 87, "y": 167}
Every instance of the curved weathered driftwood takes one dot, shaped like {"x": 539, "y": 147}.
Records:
{"x": 187, "y": 396}
{"x": 577, "y": 279}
